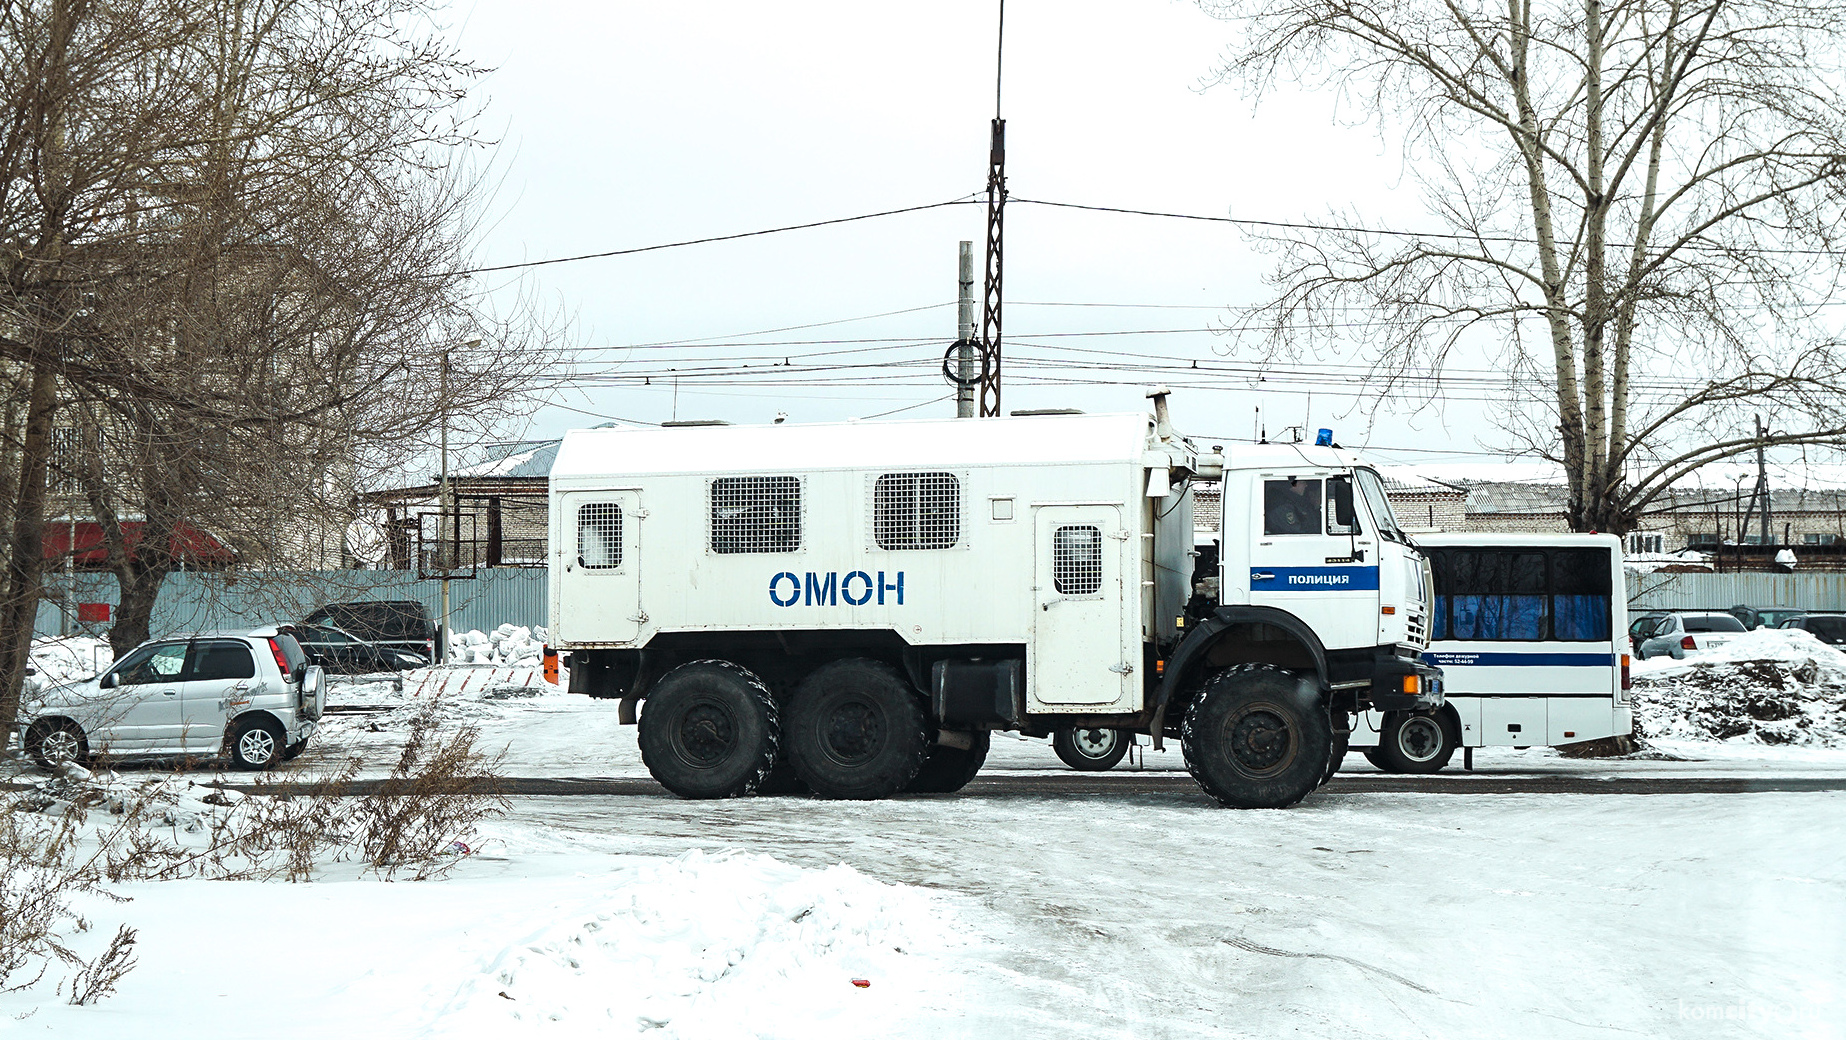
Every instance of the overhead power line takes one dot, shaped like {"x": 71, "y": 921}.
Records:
{"x": 1447, "y": 236}
{"x": 716, "y": 238}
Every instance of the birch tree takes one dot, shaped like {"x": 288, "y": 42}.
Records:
{"x": 1634, "y": 211}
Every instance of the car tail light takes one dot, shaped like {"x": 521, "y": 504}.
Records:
{"x": 1688, "y": 644}
{"x": 281, "y": 659}
{"x": 1627, "y": 681}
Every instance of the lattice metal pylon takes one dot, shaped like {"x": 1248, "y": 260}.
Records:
{"x": 990, "y": 304}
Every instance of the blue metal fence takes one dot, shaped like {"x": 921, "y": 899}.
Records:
{"x": 202, "y": 601}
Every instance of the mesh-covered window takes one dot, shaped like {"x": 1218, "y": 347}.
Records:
{"x": 916, "y": 511}
{"x": 755, "y": 514}
{"x": 599, "y": 536}
{"x": 1076, "y": 560}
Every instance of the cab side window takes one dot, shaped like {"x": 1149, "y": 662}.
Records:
{"x": 1341, "y": 518}
{"x": 221, "y": 659}
{"x": 161, "y": 662}
{"x": 1292, "y": 506}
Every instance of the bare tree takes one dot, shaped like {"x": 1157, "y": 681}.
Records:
{"x": 243, "y": 329}
{"x": 1654, "y": 185}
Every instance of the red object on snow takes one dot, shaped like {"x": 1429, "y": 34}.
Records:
{"x": 92, "y": 612}
{"x": 862, "y": 983}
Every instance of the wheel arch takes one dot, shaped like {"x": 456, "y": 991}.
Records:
{"x": 1237, "y": 635}
{"x": 257, "y": 715}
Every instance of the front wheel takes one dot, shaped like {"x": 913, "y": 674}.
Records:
{"x": 1257, "y": 737}
{"x": 1415, "y": 742}
{"x": 53, "y": 742}
{"x": 257, "y": 743}
{"x": 1091, "y": 750}
{"x": 709, "y": 729}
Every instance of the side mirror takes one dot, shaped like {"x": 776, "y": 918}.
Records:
{"x": 107, "y": 682}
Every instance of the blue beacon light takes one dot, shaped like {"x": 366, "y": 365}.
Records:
{"x": 1324, "y": 439}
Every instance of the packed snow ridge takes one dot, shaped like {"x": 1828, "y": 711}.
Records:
{"x": 507, "y": 645}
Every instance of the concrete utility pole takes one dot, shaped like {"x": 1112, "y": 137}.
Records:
{"x": 964, "y": 336}
{"x": 442, "y": 516}
{"x": 1762, "y": 476}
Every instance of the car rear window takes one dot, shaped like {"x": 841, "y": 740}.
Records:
{"x": 383, "y": 620}
{"x": 1831, "y": 629}
{"x": 292, "y": 652}
{"x": 1715, "y": 623}
{"x": 221, "y": 659}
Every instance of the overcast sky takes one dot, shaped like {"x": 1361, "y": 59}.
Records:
{"x": 626, "y": 124}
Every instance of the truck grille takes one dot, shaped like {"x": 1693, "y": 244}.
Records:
{"x": 1417, "y": 629}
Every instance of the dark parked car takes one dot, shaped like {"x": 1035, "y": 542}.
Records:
{"x": 400, "y": 624}
{"x": 1763, "y": 617}
{"x": 1643, "y": 627}
{"x": 339, "y": 652}
{"x": 1828, "y": 628}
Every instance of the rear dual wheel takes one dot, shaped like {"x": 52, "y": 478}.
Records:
{"x": 856, "y": 729}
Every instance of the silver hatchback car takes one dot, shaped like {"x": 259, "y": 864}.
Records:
{"x": 1679, "y": 634}
{"x": 250, "y": 695}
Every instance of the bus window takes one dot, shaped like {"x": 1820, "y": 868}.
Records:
{"x": 1580, "y": 590}
{"x": 1491, "y": 595}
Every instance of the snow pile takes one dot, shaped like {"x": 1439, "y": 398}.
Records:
{"x": 506, "y": 645}
{"x": 69, "y": 659}
{"x": 1769, "y": 686}
{"x": 725, "y": 945}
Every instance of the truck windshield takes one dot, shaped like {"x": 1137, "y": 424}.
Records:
{"x": 1372, "y": 487}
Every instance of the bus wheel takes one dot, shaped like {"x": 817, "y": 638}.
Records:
{"x": 1416, "y": 742}
{"x": 948, "y": 769}
{"x": 1257, "y": 737}
{"x": 709, "y": 729}
{"x": 1091, "y": 750}
{"x": 856, "y": 730}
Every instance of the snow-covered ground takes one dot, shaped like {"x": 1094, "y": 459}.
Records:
{"x": 1137, "y": 916}
{"x": 996, "y": 914}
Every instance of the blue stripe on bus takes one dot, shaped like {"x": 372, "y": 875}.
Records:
{"x": 1313, "y": 579}
{"x": 1450, "y": 659}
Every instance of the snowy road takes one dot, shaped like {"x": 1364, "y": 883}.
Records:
{"x": 1378, "y": 915}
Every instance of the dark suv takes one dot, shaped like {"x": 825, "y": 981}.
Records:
{"x": 401, "y": 624}
{"x": 1828, "y": 628}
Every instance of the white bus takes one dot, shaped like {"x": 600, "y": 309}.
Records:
{"x": 1530, "y": 634}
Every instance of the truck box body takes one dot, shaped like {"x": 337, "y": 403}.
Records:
{"x": 1033, "y": 532}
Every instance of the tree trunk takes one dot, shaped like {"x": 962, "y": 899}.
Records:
{"x": 140, "y": 590}
{"x": 25, "y": 566}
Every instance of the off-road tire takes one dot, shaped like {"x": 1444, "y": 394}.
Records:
{"x": 60, "y": 734}
{"x": 782, "y": 780}
{"x": 256, "y": 742}
{"x": 709, "y": 729}
{"x": 1342, "y": 743}
{"x": 948, "y": 769}
{"x": 1416, "y": 742}
{"x": 856, "y": 729}
{"x": 1077, "y": 747}
{"x": 1257, "y": 737}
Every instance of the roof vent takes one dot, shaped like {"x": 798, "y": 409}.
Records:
{"x": 693, "y": 422}
{"x": 1020, "y": 413}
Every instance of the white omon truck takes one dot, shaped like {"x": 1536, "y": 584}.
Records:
{"x": 854, "y": 606}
